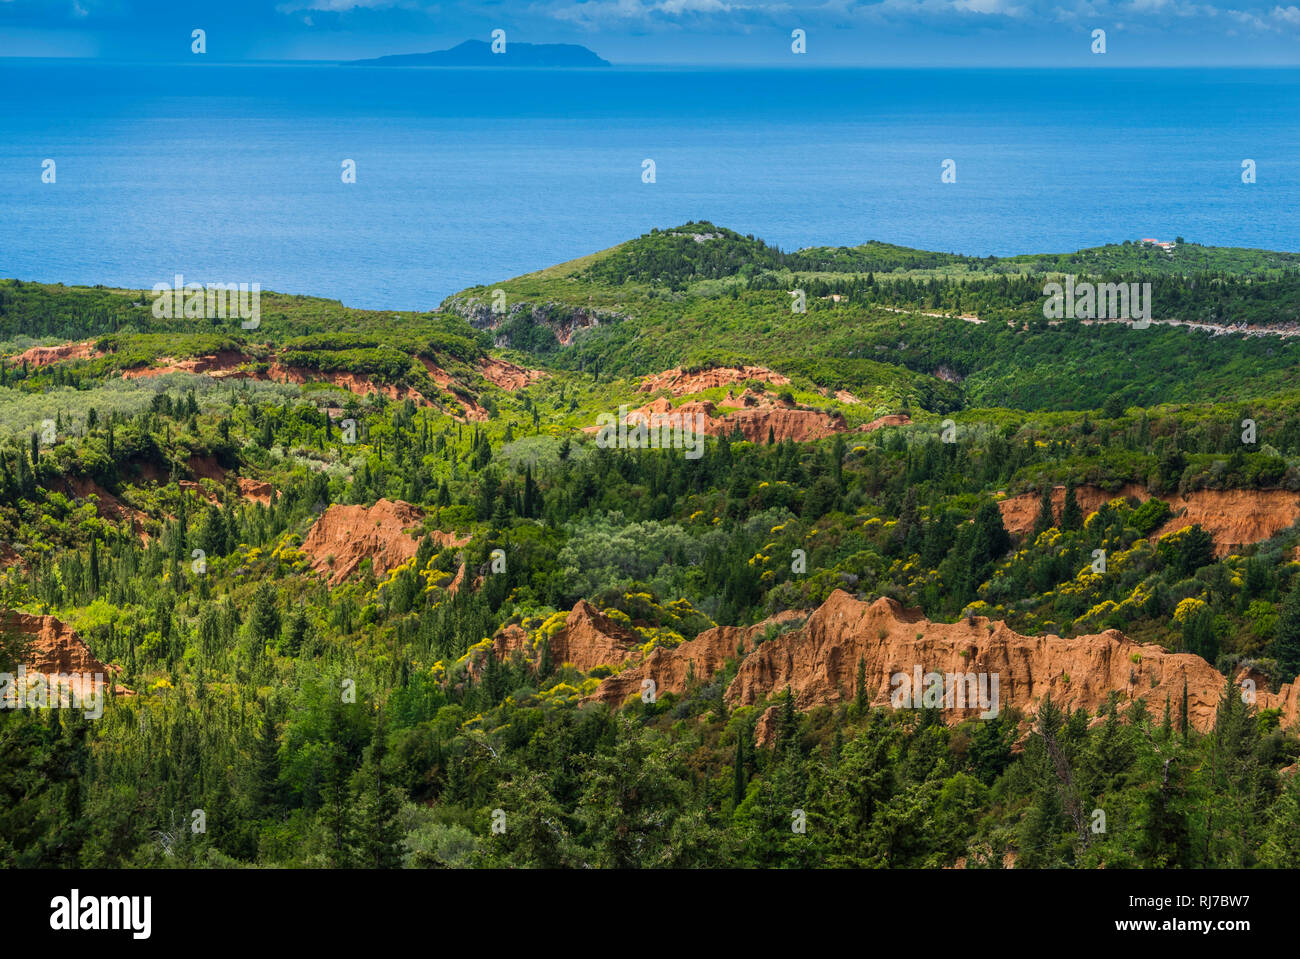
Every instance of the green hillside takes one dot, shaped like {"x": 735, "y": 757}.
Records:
{"x": 335, "y": 716}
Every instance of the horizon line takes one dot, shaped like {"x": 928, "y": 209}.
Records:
{"x": 706, "y": 64}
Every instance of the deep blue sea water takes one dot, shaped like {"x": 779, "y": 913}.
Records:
{"x": 231, "y": 173}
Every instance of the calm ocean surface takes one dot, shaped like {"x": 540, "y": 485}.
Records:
{"x": 231, "y": 173}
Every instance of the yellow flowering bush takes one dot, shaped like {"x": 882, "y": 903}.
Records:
{"x": 1188, "y": 608}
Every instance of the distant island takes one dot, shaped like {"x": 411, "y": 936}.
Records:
{"x": 478, "y": 53}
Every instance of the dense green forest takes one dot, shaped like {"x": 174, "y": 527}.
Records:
{"x": 367, "y": 724}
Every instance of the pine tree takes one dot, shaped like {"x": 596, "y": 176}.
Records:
{"x": 1071, "y": 513}
{"x": 265, "y": 620}
{"x": 787, "y": 727}
{"x": 1236, "y": 782}
{"x": 906, "y": 532}
{"x": 377, "y": 835}
{"x": 336, "y": 807}
{"x": 94, "y": 568}
{"x": 1040, "y": 832}
{"x": 1045, "y": 519}
{"x": 1163, "y": 838}
{"x": 1285, "y": 647}
{"x": 738, "y": 772}
{"x": 264, "y": 779}
{"x": 544, "y": 665}
{"x": 1281, "y": 849}
{"x": 296, "y": 631}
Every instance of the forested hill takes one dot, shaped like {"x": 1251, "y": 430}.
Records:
{"x": 939, "y": 330}
{"x": 902, "y": 329}
{"x": 701, "y": 250}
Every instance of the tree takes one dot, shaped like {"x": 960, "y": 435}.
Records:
{"x": 1046, "y": 518}
{"x": 295, "y": 631}
{"x": 1039, "y": 838}
{"x": 979, "y": 545}
{"x": 1281, "y": 848}
{"x": 377, "y": 836}
{"x": 264, "y": 771}
{"x": 1236, "y": 780}
{"x": 336, "y": 809}
{"x": 906, "y": 531}
{"x": 989, "y": 752}
{"x": 1114, "y": 406}
{"x": 787, "y": 724}
{"x": 1285, "y": 647}
{"x": 632, "y": 797}
{"x": 264, "y": 622}
{"x": 1071, "y": 513}
{"x": 1182, "y": 713}
{"x": 533, "y": 833}
{"x": 738, "y": 772}
{"x": 1164, "y": 839}
{"x": 1199, "y": 634}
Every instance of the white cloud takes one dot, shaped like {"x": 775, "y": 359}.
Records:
{"x": 1139, "y": 15}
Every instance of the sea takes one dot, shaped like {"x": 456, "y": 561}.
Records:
{"x": 235, "y": 172}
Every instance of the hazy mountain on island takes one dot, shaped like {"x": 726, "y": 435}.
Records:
{"x": 478, "y": 53}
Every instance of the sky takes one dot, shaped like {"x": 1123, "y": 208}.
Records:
{"x": 871, "y": 33}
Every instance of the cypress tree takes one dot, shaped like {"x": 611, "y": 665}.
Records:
{"x": 1182, "y": 713}
{"x": 787, "y": 723}
{"x": 738, "y": 772}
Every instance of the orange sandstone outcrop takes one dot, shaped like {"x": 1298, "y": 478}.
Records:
{"x": 588, "y": 639}
{"x": 352, "y": 382}
{"x": 706, "y": 654}
{"x": 1235, "y": 518}
{"x": 53, "y": 647}
{"x": 756, "y": 419}
{"x": 780, "y": 423}
{"x": 681, "y": 383}
{"x": 219, "y": 365}
{"x": 258, "y": 492}
{"x": 207, "y": 467}
{"x": 45, "y": 355}
{"x": 818, "y": 662}
{"x": 893, "y": 419}
{"x": 1019, "y": 512}
{"x": 191, "y": 486}
{"x": 386, "y": 534}
{"x": 507, "y": 375}
{"x": 226, "y": 364}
